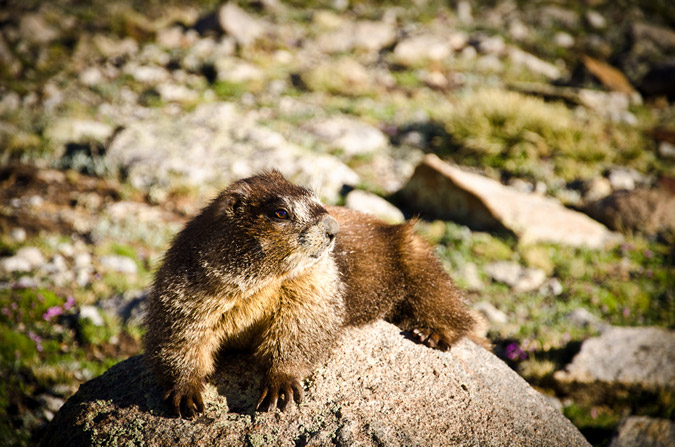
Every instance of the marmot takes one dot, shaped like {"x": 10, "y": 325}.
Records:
{"x": 266, "y": 266}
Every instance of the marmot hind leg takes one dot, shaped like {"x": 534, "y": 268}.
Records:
{"x": 433, "y": 309}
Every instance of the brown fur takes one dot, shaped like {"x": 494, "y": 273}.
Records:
{"x": 238, "y": 277}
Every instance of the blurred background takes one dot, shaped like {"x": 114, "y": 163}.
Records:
{"x": 119, "y": 120}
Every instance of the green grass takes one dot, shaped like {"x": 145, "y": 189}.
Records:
{"x": 521, "y": 135}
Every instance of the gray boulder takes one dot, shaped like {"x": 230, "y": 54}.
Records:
{"x": 638, "y": 359}
{"x": 447, "y": 192}
{"x": 379, "y": 388}
{"x": 644, "y": 210}
{"x": 642, "y": 431}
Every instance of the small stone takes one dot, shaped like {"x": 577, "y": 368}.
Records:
{"x": 563, "y": 40}
{"x": 17, "y": 235}
{"x": 533, "y": 63}
{"x": 435, "y": 79}
{"x": 519, "y": 278}
{"x": 491, "y": 45}
{"x": 491, "y": 313}
{"x": 147, "y": 74}
{"x": 15, "y": 264}
{"x": 10, "y": 102}
{"x": 418, "y": 49}
{"x": 65, "y": 130}
{"x": 375, "y": 205}
{"x": 667, "y": 150}
{"x": 351, "y": 136}
{"x": 35, "y": 201}
{"x": 83, "y": 260}
{"x": 52, "y": 403}
{"x": 120, "y": 264}
{"x": 27, "y": 282}
{"x": 464, "y": 11}
{"x": 34, "y": 28}
{"x": 153, "y": 55}
{"x": 327, "y": 19}
{"x": 596, "y": 20}
{"x": 172, "y": 38}
{"x": 552, "y": 287}
{"x": 83, "y": 278}
{"x": 373, "y": 36}
{"x": 596, "y": 189}
{"x": 112, "y": 48}
{"x": 66, "y": 249}
{"x": 518, "y": 30}
{"x": 623, "y": 178}
{"x": 583, "y": 318}
{"x": 236, "y": 22}
{"x": 92, "y": 314}
{"x": 237, "y": 71}
{"x": 32, "y": 255}
{"x": 176, "y": 93}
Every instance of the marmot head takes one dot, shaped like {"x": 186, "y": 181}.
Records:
{"x": 272, "y": 226}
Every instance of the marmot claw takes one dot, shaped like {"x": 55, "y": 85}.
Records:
{"x": 432, "y": 339}
{"x": 184, "y": 401}
{"x": 271, "y": 396}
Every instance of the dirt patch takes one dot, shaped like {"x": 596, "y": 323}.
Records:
{"x": 51, "y": 200}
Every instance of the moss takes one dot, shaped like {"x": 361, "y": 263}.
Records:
{"x": 490, "y": 248}
{"x": 595, "y": 423}
{"x": 229, "y": 90}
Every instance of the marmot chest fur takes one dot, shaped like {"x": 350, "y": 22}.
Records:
{"x": 267, "y": 267}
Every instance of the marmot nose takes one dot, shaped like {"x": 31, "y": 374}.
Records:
{"x": 331, "y": 226}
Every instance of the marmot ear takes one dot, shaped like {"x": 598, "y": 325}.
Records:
{"x": 231, "y": 203}
{"x": 233, "y": 200}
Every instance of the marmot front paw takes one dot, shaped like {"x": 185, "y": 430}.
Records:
{"x": 184, "y": 401}
{"x": 271, "y": 397}
{"x": 432, "y": 339}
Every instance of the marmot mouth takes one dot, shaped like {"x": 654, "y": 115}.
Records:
{"x": 323, "y": 251}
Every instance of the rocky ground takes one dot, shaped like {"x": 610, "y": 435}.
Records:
{"x": 118, "y": 120}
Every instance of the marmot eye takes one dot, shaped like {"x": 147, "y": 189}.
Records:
{"x": 280, "y": 214}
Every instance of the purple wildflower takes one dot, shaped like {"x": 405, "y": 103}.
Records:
{"x": 649, "y": 254}
{"x": 515, "y": 352}
{"x": 70, "y": 302}
{"x": 52, "y": 312}
{"x": 37, "y": 339}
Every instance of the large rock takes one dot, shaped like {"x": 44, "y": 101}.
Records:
{"x": 444, "y": 191}
{"x": 623, "y": 358}
{"x": 642, "y": 431}
{"x": 379, "y": 388}
{"x": 646, "y": 211}
{"x": 214, "y": 145}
